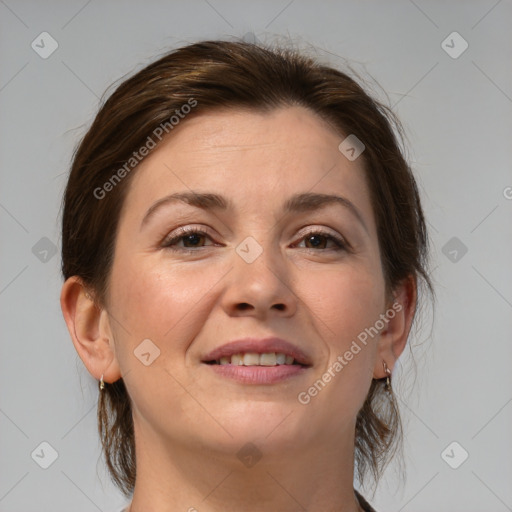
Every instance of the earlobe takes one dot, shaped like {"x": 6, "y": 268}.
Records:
{"x": 393, "y": 338}
{"x": 89, "y": 329}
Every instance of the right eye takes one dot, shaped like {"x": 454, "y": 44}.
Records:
{"x": 192, "y": 236}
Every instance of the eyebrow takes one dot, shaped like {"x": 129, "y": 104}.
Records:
{"x": 298, "y": 203}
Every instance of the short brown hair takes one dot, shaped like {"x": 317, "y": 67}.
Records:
{"x": 222, "y": 74}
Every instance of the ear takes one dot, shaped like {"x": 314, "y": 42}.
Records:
{"x": 393, "y": 337}
{"x": 90, "y": 330}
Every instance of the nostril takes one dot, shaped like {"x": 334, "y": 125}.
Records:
{"x": 243, "y": 306}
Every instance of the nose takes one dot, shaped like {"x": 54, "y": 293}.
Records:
{"x": 262, "y": 286}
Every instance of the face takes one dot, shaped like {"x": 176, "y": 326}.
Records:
{"x": 247, "y": 267}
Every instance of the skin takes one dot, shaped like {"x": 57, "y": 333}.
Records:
{"x": 189, "y": 422}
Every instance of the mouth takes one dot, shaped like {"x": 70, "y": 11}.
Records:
{"x": 252, "y": 361}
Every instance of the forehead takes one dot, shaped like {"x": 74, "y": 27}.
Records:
{"x": 251, "y": 157}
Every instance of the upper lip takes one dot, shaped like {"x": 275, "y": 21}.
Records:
{"x": 258, "y": 346}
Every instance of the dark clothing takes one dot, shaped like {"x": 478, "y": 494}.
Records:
{"x": 364, "y": 504}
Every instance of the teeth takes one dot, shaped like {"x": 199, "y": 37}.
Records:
{"x": 253, "y": 359}
{"x": 236, "y": 359}
{"x": 280, "y": 359}
{"x": 268, "y": 359}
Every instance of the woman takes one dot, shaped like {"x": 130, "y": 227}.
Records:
{"x": 242, "y": 248}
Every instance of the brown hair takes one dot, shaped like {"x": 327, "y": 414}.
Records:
{"x": 221, "y": 74}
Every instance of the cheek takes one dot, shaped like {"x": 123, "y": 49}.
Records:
{"x": 161, "y": 301}
{"x": 347, "y": 300}
{"x": 348, "y": 304}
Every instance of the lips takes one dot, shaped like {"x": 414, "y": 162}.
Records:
{"x": 271, "y": 345}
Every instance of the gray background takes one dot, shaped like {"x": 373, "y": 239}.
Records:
{"x": 457, "y": 113}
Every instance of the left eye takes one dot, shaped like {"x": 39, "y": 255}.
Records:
{"x": 328, "y": 237}
{"x": 193, "y": 238}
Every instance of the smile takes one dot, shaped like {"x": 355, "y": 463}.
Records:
{"x": 253, "y": 368}
{"x": 254, "y": 359}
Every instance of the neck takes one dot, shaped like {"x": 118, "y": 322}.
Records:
{"x": 172, "y": 477}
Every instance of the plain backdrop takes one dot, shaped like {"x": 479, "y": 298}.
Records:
{"x": 456, "y": 105}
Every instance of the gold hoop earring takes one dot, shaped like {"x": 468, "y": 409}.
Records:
{"x": 388, "y": 377}
{"x": 102, "y": 384}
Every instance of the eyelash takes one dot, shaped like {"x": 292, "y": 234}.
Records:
{"x": 168, "y": 243}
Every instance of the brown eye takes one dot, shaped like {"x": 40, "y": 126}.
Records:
{"x": 191, "y": 238}
{"x": 317, "y": 241}
{"x": 320, "y": 239}
{"x": 194, "y": 239}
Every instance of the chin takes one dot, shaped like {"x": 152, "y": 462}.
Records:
{"x": 271, "y": 424}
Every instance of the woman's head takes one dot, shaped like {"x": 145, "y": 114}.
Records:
{"x": 253, "y": 144}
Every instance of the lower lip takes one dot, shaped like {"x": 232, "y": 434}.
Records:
{"x": 258, "y": 374}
